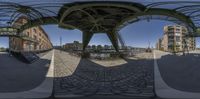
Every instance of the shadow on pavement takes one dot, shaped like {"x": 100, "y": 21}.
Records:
{"x": 181, "y": 72}
{"x": 16, "y": 76}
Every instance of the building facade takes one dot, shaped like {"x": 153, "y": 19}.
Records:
{"x": 159, "y": 44}
{"x": 32, "y": 39}
{"x": 76, "y": 45}
{"x": 174, "y": 39}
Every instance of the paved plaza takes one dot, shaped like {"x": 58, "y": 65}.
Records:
{"x": 84, "y": 77}
{"x": 180, "y": 72}
{"x": 16, "y": 76}
{"x": 76, "y": 77}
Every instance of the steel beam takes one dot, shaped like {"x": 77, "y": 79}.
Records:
{"x": 86, "y": 39}
{"x": 160, "y": 11}
{"x": 114, "y": 39}
{"x": 39, "y": 21}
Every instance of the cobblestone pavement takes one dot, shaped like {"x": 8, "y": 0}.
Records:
{"x": 76, "y": 76}
{"x": 16, "y": 76}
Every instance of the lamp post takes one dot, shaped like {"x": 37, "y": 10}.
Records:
{"x": 60, "y": 43}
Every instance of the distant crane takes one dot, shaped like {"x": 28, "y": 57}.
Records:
{"x": 60, "y": 43}
{"x": 149, "y": 49}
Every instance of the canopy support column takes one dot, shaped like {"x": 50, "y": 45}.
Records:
{"x": 86, "y": 39}
{"x": 114, "y": 40}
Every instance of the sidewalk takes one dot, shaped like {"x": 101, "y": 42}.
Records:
{"x": 44, "y": 90}
{"x": 164, "y": 91}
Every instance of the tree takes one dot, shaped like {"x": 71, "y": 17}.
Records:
{"x": 93, "y": 47}
{"x": 99, "y": 47}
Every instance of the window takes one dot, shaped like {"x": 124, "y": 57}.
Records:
{"x": 178, "y": 38}
{"x": 178, "y": 30}
{"x": 171, "y": 30}
{"x": 34, "y": 30}
{"x": 35, "y": 37}
{"x": 170, "y": 37}
{"x": 27, "y": 33}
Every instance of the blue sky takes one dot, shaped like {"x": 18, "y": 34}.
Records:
{"x": 137, "y": 34}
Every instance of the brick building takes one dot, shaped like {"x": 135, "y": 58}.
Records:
{"x": 34, "y": 39}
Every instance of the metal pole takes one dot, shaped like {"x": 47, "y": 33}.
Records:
{"x": 9, "y": 46}
{"x": 60, "y": 43}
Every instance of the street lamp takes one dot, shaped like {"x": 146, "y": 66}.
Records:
{"x": 60, "y": 44}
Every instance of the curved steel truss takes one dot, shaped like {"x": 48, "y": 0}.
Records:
{"x": 10, "y": 12}
{"x": 100, "y": 16}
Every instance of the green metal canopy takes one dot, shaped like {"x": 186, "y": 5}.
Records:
{"x": 101, "y": 16}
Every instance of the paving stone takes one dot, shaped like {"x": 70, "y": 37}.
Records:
{"x": 85, "y": 77}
